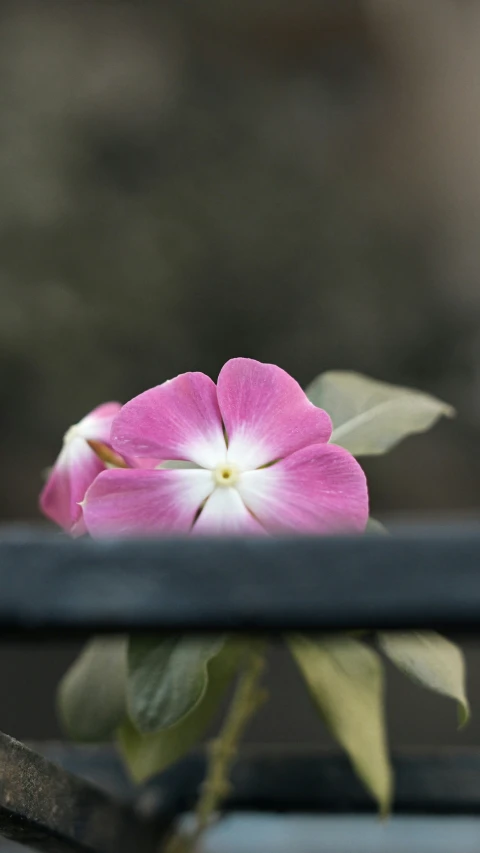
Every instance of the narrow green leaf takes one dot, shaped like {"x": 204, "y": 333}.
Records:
{"x": 92, "y": 694}
{"x": 432, "y": 661}
{"x": 371, "y": 417}
{"x": 146, "y": 755}
{"x": 167, "y": 677}
{"x": 345, "y": 679}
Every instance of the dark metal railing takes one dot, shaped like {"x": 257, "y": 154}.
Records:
{"x": 52, "y": 584}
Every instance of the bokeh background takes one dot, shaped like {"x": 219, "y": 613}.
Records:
{"x": 185, "y": 182}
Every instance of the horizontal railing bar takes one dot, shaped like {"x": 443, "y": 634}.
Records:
{"x": 51, "y": 584}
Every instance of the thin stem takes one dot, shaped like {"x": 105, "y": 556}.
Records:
{"x": 247, "y": 699}
{"x": 223, "y": 750}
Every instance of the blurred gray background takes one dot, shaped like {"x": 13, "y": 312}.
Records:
{"x": 185, "y": 182}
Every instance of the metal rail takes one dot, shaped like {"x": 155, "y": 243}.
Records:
{"x": 52, "y": 584}
{"x": 48, "y": 809}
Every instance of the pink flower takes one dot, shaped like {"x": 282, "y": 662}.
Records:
{"x": 259, "y": 453}
{"x": 76, "y": 468}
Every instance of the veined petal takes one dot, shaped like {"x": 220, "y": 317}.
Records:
{"x": 319, "y": 489}
{"x": 134, "y": 502}
{"x": 225, "y": 513}
{"x": 74, "y": 471}
{"x": 177, "y": 420}
{"x": 266, "y": 413}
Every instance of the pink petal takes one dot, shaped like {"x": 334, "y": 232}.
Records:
{"x": 225, "y": 513}
{"x": 140, "y": 462}
{"x": 98, "y": 424}
{"x": 73, "y": 472}
{"x": 76, "y": 468}
{"x": 132, "y": 502}
{"x": 177, "y": 420}
{"x": 266, "y": 413}
{"x": 79, "y": 528}
{"x": 319, "y": 489}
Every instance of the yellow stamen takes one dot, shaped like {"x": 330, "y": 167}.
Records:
{"x": 225, "y": 474}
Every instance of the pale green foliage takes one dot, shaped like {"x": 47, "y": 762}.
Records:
{"x": 175, "y": 686}
{"x": 432, "y": 661}
{"x": 167, "y": 677}
{"x": 371, "y": 417}
{"x": 146, "y": 755}
{"x": 345, "y": 679}
{"x": 91, "y": 695}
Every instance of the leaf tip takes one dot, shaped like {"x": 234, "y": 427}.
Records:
{"x": 384, "y": 812}
{"x": 449, "y": 411}
{"x": 385, "y": 797}
{"x": 463, "y": 713}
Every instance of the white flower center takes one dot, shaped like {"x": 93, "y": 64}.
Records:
{"x": 226, "y": 474}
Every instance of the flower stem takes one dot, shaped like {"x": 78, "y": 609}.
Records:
{"x": 223, "y": 750}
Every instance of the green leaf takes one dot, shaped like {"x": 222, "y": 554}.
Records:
{"x": 376, "y": 527}
{"x": 167, "y": 678}
{"x": 371, "y": 417}
{"x": 146, "y": 755}
{"x": 432, "y": 661}
{"x": 92, "y": 694}
{"x": 345, "y": 679}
